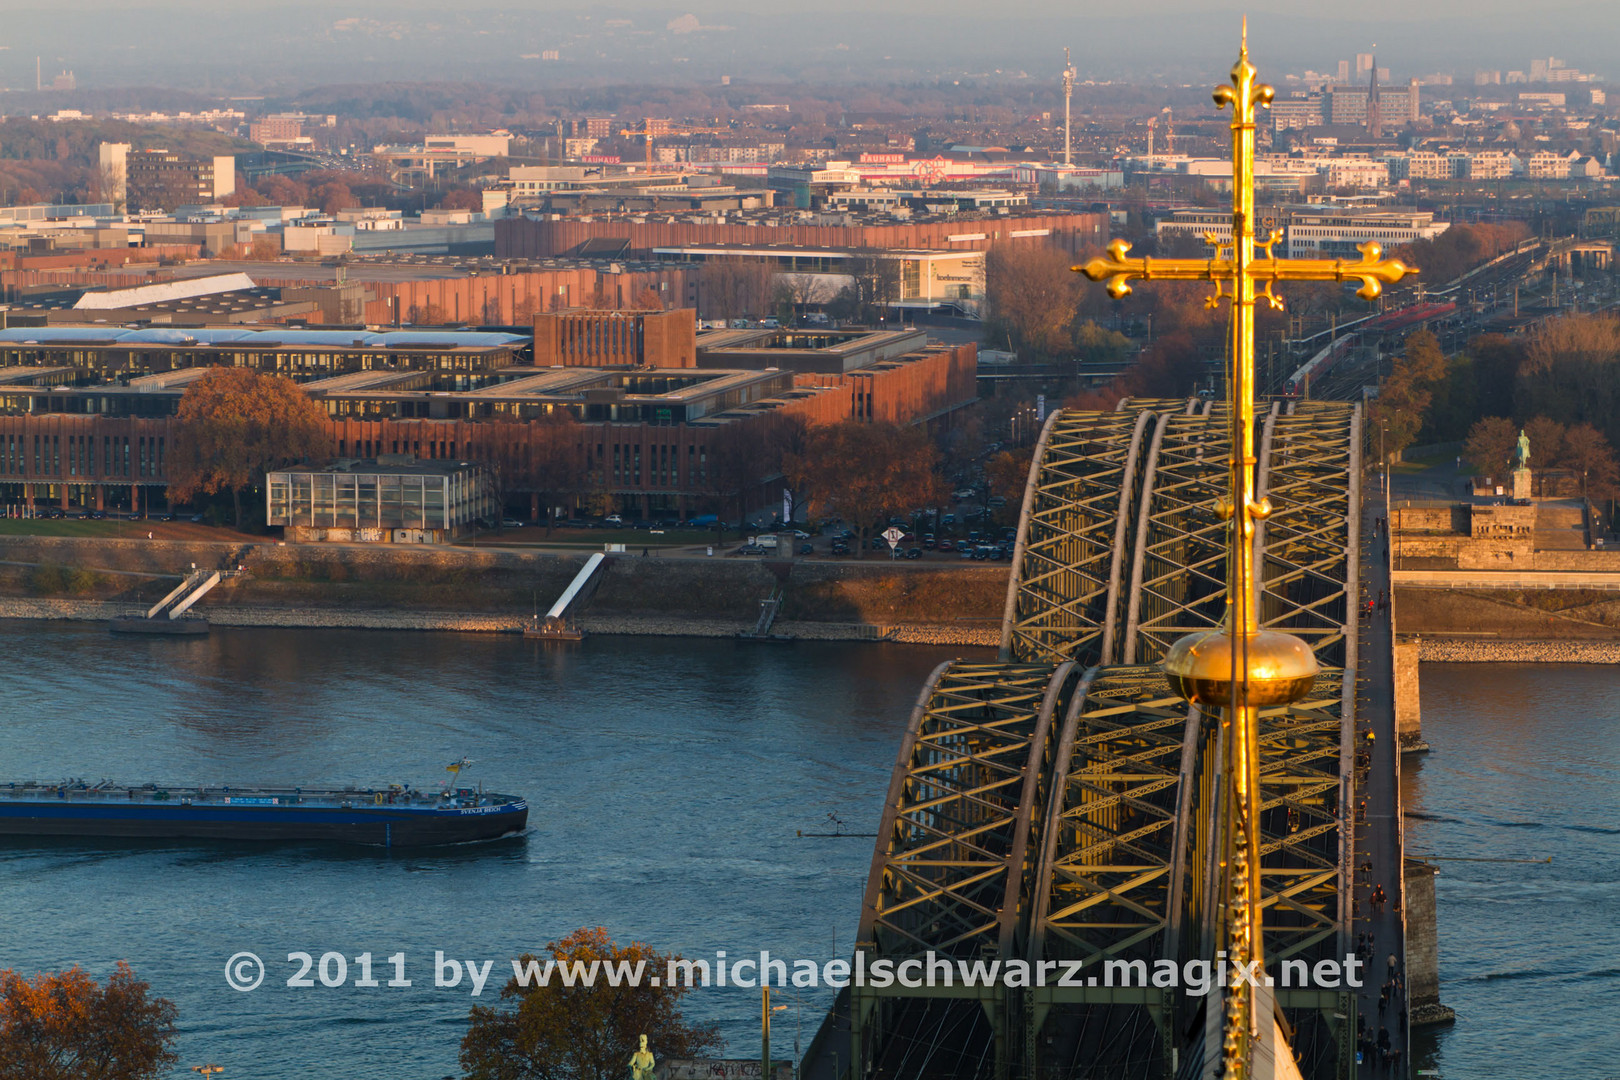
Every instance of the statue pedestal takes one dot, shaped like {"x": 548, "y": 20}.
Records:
{"x": 1521, "y": 483}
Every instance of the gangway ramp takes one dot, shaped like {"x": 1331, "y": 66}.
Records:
{"x": 164, "y": 617}
{"x": 185, "y": 594}
{"x": 556, "y": 623}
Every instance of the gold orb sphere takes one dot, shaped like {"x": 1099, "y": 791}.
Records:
{"x": 1281, "y": 668}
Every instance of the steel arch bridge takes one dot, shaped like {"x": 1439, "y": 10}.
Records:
{"x": 1061, "y": 804}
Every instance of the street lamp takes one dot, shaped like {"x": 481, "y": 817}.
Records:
{"x": 1383, "y": 460}
{"x": 765, "y": 1010}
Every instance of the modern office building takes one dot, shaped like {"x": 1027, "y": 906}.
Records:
{"x": 637, "y": 235}
{"x": 163, "y": 180}
{"x": 1397, "y": 106}
{"x": 1315, "y": 231}
{"x": 393, "y": 499}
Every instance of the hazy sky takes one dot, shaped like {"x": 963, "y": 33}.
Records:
{"x": 232, "y": 44}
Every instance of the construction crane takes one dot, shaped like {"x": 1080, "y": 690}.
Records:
{"x": 646, "y": 135}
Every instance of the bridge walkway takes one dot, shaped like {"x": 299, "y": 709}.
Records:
{"x": 1378, "y": 824}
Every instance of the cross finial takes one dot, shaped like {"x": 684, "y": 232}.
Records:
{"x": 1243, "y": 270}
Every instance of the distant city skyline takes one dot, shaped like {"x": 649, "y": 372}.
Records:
{"x": 187, "y": 44}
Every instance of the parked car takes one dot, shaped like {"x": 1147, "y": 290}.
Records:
{"x": 748, "y": 549}
{"x": 511, "y": 523}
{"x": 839, "y": 548}
{"x": 807, "y": 549}
{"x": 947, "y": 545}
{"x": 913, "y": 553}
{"x": 614, "y": 520}
{"x": 966, "y": 552}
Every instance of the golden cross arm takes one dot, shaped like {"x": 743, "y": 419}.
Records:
{"x": 1373, "y": 271}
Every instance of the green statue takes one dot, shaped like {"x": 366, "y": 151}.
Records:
{"x": 641, "y": 1062}
{"x": 1523, "y": 456}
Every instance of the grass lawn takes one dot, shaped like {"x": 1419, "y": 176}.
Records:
{"x": 109, "y": 529}
{"x": 595, "y": 538}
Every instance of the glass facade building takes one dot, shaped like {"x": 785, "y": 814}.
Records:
{"x": 380, "y": 502}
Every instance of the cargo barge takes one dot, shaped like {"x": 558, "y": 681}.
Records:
{"x": 395, "y": 815}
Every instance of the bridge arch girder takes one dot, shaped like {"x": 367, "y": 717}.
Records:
{"x": 1062, "y": 805}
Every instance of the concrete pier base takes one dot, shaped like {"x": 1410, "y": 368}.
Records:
{"x": 1408, "y": 707}
{"x": 1423, "y": 948}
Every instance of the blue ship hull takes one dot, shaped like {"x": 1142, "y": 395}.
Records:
{"x": 382, "y": 825}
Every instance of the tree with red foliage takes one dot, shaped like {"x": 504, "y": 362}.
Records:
{"x": 334, "y": 196}
{"x": 865, "y": 473}
{"x": 233, "y": 425}
{"x": 284, "y": 191}
{"x": 64, "y": 1026}
{"x": 573, "y": 1029}
{"x": 461, "y": 199}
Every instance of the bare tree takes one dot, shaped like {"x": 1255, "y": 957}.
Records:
{"x": 800, "y": 292}
{"x": 733, "y": 287}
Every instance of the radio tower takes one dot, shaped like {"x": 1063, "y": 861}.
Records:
{"x": 1068, "y": 93}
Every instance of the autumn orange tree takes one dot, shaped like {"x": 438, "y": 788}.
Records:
{"x": 864, "y": 473}
{"x": 583, "y": 1031}
{"x": 1492, "y": 446}
{"x": 1008, "y": 472}
{"x": 65, "y": 1026}
{"x": 1031, "y": 297}
{"x": 542, "y": 457}
{"x": 233, "y": 425}
{"x": 1404, "y": 396}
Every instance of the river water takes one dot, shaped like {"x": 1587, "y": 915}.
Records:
{"x": 667, "y": 779}
{"x": 1526, "y": 765}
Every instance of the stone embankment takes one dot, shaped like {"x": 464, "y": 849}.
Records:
{"x": 483, "y": 590}
{"x": 359, "y": 619}
{"x": 1452, "y": 650}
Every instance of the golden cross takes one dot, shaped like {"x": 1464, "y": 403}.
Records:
{"x": 1238, "y": 667}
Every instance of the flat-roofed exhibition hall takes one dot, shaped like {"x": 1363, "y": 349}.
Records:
{"x": 86, "y": 411}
